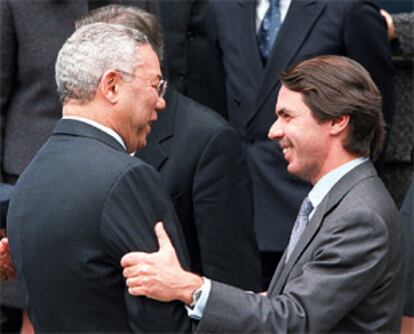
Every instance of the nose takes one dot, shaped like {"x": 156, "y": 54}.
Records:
{"x": 160, "y": 104}
{"x": 275, "y": 132}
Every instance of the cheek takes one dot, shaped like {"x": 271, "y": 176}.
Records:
{"x": 150, "y": 102}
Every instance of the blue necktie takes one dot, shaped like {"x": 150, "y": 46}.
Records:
{"x": 268, "y": 30}
{"x": 300, "y": 225}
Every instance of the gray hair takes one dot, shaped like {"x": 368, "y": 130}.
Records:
{"x": 89, "y": 53}
{"x": 132, "y": 17}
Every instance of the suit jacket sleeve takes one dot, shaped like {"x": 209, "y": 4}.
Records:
{"x": 407, "y": 222}
{"x": 366, "y": 41}
{"x": 349, "y": 260}
{"x": 8, "y": 55}
{"x": 223, "y": 210}
{"x": 135, "y": 203}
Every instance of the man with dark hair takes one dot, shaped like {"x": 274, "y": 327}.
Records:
{"x": 259, "y": 39}
{"x": 343, "y": 269}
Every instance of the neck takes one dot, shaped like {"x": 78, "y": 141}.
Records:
{"x": 96, "y": 112}
{"x": 332, "y": 163}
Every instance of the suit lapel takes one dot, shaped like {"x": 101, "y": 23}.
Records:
{"x": 299, "y": 20}
{"x": 332, "y": 199}
{"x": 248, "y": 43}
{"x": 163, "y": 129}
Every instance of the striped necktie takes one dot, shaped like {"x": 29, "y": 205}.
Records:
{"x": 268, "y": 30}
{"x": 300, "y": 225}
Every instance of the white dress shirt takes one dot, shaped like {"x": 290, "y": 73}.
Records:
{"x": 262, "y": 7}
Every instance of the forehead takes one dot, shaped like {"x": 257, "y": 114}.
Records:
{"x": 149, "y": 64}
{"x": 288, "y": 99}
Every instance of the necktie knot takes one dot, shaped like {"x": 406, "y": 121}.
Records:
{"x": 274, "y": 3}
{"x": 305, "y": 209}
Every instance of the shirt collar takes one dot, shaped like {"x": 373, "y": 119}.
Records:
{"x": 263, "y": 5}
{"x": 99, "y": 126}
{"x": 325, "y": 184}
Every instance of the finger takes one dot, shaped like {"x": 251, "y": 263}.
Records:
{"x": 133, "y": 282}
{"x": 133, "y": 258}
{"x": 137, "y": 291}
{"x": 129, "y": 271}
{"x": 163, "y": 239}
{"x": 4, "y": 245}
{"x": 137, "y": 270}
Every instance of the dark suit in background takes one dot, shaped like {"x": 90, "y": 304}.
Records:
{"x": 81, "y": 204}
{"x": 312, "y": 27}
{"x": 201, "y": 162}
{"x": 32, "y": 33}
{"x": 344, "y": 276}
{"x": 195, "y": 66}
{"x": 399, "y": 162}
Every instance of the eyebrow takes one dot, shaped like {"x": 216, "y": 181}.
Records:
{"x": 283, "y": 110}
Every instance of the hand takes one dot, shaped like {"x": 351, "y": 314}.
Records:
{"x": 159, "y": 275}
{"x": 7, "y": 270}
{"x": 392, "y": 32}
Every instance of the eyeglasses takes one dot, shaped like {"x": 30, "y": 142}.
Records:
{"x": 161, "y": 86}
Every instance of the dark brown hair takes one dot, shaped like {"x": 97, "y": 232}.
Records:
{"x": 131, "y": 17}
{"x": 332, "y": 86}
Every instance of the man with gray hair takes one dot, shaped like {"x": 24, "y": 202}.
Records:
{"x": 84, "y": 201}
{"x": 202, "y": 166}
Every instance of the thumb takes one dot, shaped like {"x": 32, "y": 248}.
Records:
{"x": 131, "y": 259}
{"x": 163, "y": 239}
{"x": 4, "y": 245}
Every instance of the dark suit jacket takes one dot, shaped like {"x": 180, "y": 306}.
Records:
{"x": 31, "y": 34}
{"x": 344, "y": 276}
{"x": 202, "y": 165}
{"x": 5, "y": 194}
{"x": 407, "y": 223}
{"x": 80, "y": 205}
{"x": 352, "y": 28}
{"x": 195, "y": 66}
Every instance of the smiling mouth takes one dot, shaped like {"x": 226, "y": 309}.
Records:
{"x": 285, "y": 146}
{"x": 286, "y": 150}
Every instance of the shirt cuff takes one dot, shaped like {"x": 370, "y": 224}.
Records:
{"x": 197, "y": 312}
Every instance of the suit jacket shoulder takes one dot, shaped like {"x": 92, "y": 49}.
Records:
{"x": 89, "y": 202}
{"x": 348, "y": 259}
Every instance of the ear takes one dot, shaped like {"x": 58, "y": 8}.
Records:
{"x": 339, "y": 125}
{"x": 109, "y": 86}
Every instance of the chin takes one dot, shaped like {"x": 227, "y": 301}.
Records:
{"x": 294, "y": 170}
{"x": 141, "y": 144}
